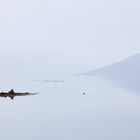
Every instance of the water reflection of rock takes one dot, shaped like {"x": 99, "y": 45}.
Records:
{"x": 129, "y": 82}
{"x": 11, "y": 94}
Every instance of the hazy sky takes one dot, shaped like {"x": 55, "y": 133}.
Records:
{"x": 74, "y": 36}
{"x": 49, "y": 39}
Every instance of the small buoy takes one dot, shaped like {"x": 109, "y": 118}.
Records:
{"x": 84, "y": 93}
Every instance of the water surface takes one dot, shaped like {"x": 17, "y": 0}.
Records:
{"x": 61, "y": 112}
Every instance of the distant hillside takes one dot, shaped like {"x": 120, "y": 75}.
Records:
{"x": 129, "y": 66}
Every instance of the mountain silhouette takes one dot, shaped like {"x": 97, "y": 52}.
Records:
{"x": 128, "y": 66}
{"x": 125, "y": 73}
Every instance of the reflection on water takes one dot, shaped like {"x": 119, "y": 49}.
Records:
{"x": 11, "y": 94}
{"x": 62, "y": 112}
{"x": 128, "y": 82}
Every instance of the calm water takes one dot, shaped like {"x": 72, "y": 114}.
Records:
{"x": 110, "y": 110}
